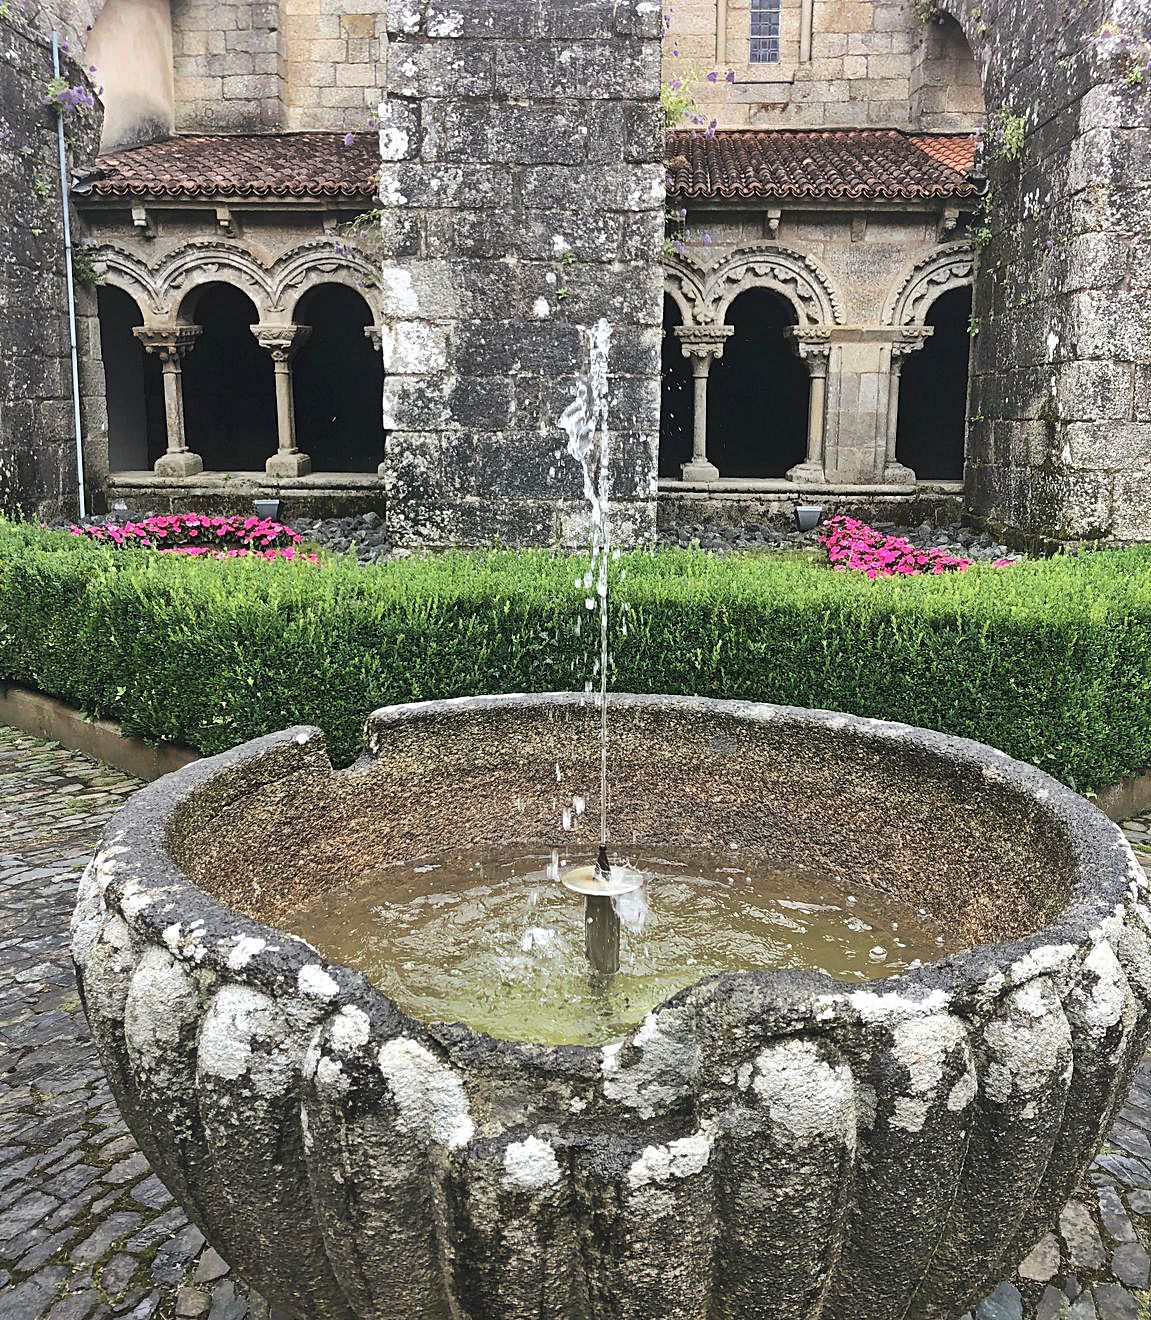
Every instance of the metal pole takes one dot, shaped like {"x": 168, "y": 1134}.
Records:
{"x": 76, "y": 421}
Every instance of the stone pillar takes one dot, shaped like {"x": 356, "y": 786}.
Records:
{"x": 170, "y": 343}
{"x": 913, "y": 338}
{"x": 375, "y": 333}
{"x": 701, "y": 345}
{"x": 814, "y": 347}
{"x": 283, "y": 342}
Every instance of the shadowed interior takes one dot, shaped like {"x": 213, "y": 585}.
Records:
{"x": 925, "y": 824}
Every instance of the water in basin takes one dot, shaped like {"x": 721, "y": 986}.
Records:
{"x": 492, "y": 939}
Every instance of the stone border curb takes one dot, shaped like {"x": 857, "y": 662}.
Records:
{"x": 56, "y": 721}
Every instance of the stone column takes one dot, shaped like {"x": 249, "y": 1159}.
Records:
{"x": 814, "y": 347}
{"x": 911, "y": 339}
{"x": 170, "y": 343}
{"x": 283, "y": 342}
{"x": 701, "y": 345}
{"x": 375, "y": 334}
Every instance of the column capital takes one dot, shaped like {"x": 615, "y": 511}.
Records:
{"x": 169, "y": 342}
{"x": 910, "y": 339}
{"x": 375, "y": 333}
{"x": 703, "y": 341}
{"x": 282, "y": 340}
{"x": 813, "y": 344}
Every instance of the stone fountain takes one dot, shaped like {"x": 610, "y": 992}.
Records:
{"x": 773, "y": 1144}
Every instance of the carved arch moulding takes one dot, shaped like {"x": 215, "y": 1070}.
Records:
{"x": 684, "y": 284}
{"x": 949, "y": 267}
{"x": 770, "y": 266}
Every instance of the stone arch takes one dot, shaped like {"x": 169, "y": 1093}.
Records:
{"x": 319, "y": 262}
{"x": 133, "y": 277}
{"x": 949, "y": 267}
{"x": 793, "y": 276}
{"x": 684, "y": 284}
{"x": 196, "y": 264}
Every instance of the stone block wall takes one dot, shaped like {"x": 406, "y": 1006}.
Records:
{"x": 1059, "y": 442}
{"x": 843, "y": 64}
{"x": 522, "y": 192}
{"x": 229, "y": 65}
{"x": 37, "y": 444}
{"x": 335, "y": 63}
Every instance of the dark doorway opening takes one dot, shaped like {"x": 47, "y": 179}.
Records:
{"x": 229, "y": 385}
{"x": 133, "y": 385}
{"x": 338, "y": 383}
{"x": 933, "y": 393}
{"x": 677, "y": 402}
{"x": 757, "y": 398}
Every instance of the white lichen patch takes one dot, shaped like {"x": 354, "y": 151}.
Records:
{"x": 804, "y": 1094}
{"x": 541, "y": 309}
{"x": 1027, "y": 1044}
{"x": 237, "y": 1018}
{"x": 678, "y": 1159}
{"x": 429, "y": 1097}
{"x": 350, "y": 1029}
{"x": 312, "y": 980}
{"x": 161, "y": 1002}
{"x": 889, "y": 1008}
{"x": 925, "y": 1048}
{"x": 1102, "y": 994}
{"x": 1043, "y": 961}
{"x": 246, "y": 948}
{"x": 449, "y": 23}
{"x": 662, "y": 1073}
{"x": 530, "y": 1165}
{"x": 963, "y": 1092}
{"x": 106, "y": 968}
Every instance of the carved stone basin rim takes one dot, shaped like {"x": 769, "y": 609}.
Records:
{"x": 878, "y": 1151}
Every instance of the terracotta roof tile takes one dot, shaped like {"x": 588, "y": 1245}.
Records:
{"x": 250, "y": 165}
{"x": 865, "y": 164}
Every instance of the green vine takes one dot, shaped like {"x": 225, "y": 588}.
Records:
{"x": 1006, "y": 134}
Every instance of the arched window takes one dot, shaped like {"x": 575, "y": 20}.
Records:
{"x": 338, "y": 382}
{"x": 946, "y": 91}
{"x": 229, "y": 389}
{"x": 676, "y": 403}
{"x": 933, "y": 393}
{"x": 133, "y": 385}
{"x": 757, "y": 400}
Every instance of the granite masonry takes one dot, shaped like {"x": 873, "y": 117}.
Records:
{"x": 37, "y": 445}
{"x": 522, "y": 192}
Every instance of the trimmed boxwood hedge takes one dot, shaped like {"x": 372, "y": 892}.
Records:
{"x": 1048, "y": 660}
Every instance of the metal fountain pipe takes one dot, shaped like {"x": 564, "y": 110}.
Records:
{"x": 599, "y": 885}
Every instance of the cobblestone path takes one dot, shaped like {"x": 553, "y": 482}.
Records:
{"x": 88, "y": 1232}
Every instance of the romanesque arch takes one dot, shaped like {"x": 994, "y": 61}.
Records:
{"x": 684, "y": 283}
{"x": 795, "y": 277}
{"x": 949, "y": 267}
{"x": 315, "y": 263}
{"x": 205, "y": 262}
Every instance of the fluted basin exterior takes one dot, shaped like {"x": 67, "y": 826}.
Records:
{"x": 764, "y": 1144}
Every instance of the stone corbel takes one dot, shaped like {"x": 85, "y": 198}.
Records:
{"x": 948, "y": 221}
{"x": 910, "y": 339}
{"x": 813, "y": 344}
{"x": 701, "y": 345}
{"x": 226, "y": 222}
{"x": 142, "y": 221}
{"x": 283, "y": 342}
{"x": 771, "y": 219}
{"x": 171, "y": 343}
{"x": 375, "y": 334}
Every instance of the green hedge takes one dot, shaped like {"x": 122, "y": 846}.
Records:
{"x": 1048, "y": 660}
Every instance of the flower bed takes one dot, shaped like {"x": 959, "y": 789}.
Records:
{"x": 231, "y": 537}
{"x": 852, "y": 545}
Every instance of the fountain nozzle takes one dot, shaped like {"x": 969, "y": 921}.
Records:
{"x": 599, "y": 884}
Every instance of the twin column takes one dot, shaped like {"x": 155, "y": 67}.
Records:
{"x": 171, "y": 343}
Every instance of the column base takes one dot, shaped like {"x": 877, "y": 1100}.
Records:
{"x": 179, "y": 463}
{"x": 895, "y": 474}
{"x": 699, "y": 469}
{"x": 288, "y": 463}
{"x": 807, "y": 474}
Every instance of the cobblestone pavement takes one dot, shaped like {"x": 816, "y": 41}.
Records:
{"x": 88, "y": 1232}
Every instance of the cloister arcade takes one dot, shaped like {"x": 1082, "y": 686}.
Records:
{"x": 765, "y": 381}
{"x": 214, "y": 363}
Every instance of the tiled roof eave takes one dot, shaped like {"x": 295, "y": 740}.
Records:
{"x": 909, "y": 193}
{"x": 206, "y": 192}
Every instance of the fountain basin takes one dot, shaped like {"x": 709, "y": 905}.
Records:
{"x": 763, "y": 1145}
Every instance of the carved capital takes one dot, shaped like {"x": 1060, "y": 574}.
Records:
{"x": 813, "y": 344}
{"x": 911, "y": 339}
{"x": 703, "y": 341}
{"x": 169, "y": 342}
{"x": 282, "y": 341}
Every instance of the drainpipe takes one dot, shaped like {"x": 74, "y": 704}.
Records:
{"x": 76, "y": 422}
